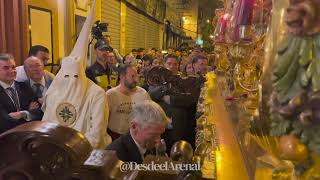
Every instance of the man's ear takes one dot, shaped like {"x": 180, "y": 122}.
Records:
{"x": 133, "y": 127}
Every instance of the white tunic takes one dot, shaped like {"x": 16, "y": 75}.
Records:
{"x": 91, "y": 115}
{"x": 73, "y": 100}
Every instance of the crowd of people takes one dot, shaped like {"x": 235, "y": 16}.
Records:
{"x": 137, "y": 116}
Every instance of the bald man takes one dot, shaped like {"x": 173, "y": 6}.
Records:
{"x": 38, "y": 80}
{"x": 40, "y": 52}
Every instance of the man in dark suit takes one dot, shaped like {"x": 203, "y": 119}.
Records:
{"x": 147, "y": 123}
{"x": 18, "y": 103}
{"x": 37, "y": 79}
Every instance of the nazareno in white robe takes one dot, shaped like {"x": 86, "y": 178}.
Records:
{"x": 73, "y": 100}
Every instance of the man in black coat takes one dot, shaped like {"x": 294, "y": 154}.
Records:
{"x": 18, "y": 103}
{"x": 179, "y": 107}
{"x": 147, "y": 123}
{"x": 127, "y": 150}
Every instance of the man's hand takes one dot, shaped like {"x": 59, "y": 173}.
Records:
{"x": 160, "y": 89}
{"x": 34, "y": 105}
{"x": 40, "y": 100}
{"x": 16, "y": 115}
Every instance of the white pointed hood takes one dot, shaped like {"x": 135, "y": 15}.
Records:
{"x": 70, "y": 84}
{"x": 73, "y": 100}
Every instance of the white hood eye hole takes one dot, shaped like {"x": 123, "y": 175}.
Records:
{"x": 66, "y": 76}
{"x": 76, "y": 76}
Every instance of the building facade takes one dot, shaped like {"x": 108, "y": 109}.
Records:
{"x": 56, "y": 23}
